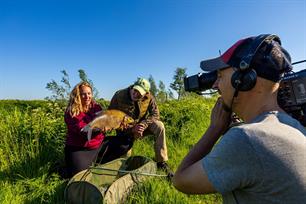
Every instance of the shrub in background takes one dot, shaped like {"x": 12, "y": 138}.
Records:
{"x": 187, "y": 117}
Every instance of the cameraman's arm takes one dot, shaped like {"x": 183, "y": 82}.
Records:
{"x": 190, "y": 176}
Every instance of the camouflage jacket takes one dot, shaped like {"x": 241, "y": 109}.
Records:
{"x": 144, "y": 111}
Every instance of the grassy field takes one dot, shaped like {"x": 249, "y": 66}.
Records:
{"x": 32, "y": 140}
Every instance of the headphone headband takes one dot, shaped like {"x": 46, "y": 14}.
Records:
{"x": 255, "y": 45}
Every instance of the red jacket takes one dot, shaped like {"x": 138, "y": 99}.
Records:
{"x": 74, "y": 125}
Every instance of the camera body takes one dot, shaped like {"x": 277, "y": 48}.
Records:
{"x": 291, "y": 94}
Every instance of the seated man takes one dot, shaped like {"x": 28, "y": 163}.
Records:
{"x": 263, "y": 160}
{"x": 139, "y": 103}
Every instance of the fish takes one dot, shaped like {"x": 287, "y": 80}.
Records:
{"x": 111, "y": 119}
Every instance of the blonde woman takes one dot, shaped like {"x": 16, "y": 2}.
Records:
{"x": 82, "y": 109}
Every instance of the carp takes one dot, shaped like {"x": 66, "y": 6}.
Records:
{"x": 109, "y": 120}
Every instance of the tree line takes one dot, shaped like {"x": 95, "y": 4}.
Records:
{"x": 61, "y": 90}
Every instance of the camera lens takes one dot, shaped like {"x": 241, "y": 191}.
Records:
{"x": 207, "y": 80}
{"x": 200, "y": 82}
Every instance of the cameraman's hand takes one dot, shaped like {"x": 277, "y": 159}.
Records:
{"x": 137, "y": 131}
{"x": 220, "y": 118}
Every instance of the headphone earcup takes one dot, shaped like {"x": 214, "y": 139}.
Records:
{"x": 235, "y": 80}
{"x": 244, "y": 80}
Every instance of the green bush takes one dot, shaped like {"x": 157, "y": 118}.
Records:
{"x": 103, "y": 103}
{"x": 21, "y": 104}
{"x": 31, "y": 140}
{"x": 187, "y": 117}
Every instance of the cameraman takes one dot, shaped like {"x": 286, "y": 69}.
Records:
{"x": 263, "y": 160}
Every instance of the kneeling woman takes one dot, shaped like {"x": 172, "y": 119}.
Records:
{"x": 81, "y": 110}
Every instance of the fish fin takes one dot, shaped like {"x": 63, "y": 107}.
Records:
{"x": 99, "y": 113}
{"x": 89, "y": 133}
{"x": 88, "y": 130}
{"x": 85, "y": 128}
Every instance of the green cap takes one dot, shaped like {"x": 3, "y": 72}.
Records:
{"x": 142, "y": 85}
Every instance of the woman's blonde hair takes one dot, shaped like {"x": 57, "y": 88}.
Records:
{"x": 75, "y": 105}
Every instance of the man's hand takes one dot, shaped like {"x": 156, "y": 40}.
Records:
{"x": 137, "y": 131}
{"x": 220, "y": 118}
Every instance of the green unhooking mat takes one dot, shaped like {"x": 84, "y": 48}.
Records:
{"x": 108, "y": 183}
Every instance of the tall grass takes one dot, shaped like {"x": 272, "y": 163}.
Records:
{"x": 32, "y": 142}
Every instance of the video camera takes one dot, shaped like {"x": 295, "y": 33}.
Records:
{"x": 291, "y": 94}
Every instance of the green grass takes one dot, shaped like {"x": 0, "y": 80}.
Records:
{"x": 32, "y": 140}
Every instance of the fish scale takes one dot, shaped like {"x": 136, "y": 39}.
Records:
{"x": 109, "y": 120}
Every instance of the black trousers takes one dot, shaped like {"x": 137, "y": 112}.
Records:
{"x": 80, "y": 158}
{"x": 114, "y": 147}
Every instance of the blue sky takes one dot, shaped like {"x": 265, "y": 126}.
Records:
{"x": 116, "y": 41}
